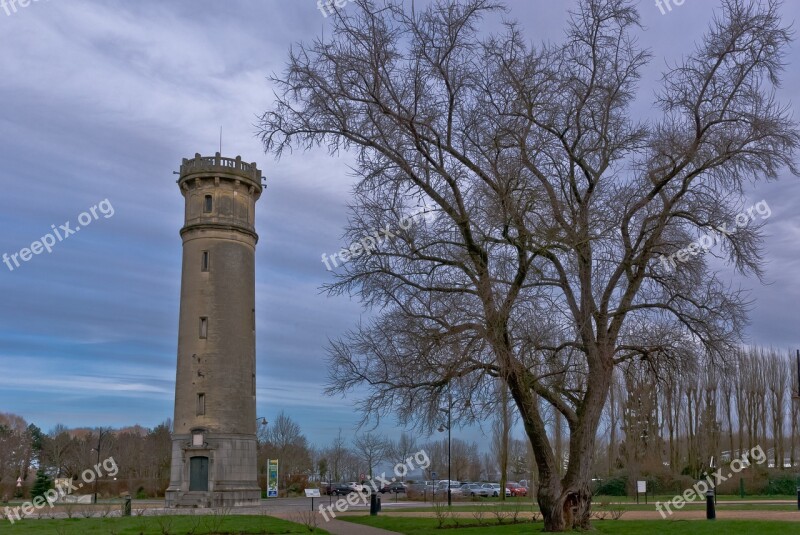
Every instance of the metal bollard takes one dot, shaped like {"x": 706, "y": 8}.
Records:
{"x": 127, "y": 506}
{"x": 798, "y": 498}
{"x": 711, "y": 512}
{"x": 379, "y": 503}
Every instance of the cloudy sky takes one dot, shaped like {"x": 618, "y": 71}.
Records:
{"x": 101, "y": 100}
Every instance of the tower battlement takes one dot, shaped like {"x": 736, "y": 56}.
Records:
{"x": 219, "y": 165}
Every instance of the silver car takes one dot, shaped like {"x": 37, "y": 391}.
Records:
{"x": 455, "y": 488}
{"x": 473, "y": 489}
{"x": 494, "y": 489}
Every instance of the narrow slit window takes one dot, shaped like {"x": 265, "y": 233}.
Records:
{"x": 254, "y": 384}
{"x": 203, "y": 327}
{"x": 204, "y": 263}
{"x": 201, "y": 404}
{"x": 253, "y": 319}
{"x": 208, "y": 204}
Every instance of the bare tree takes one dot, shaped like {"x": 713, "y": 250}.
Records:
{"x": 777, "y": 372}
{"x": 336, "y": 455}
{"x": 558, "y": 242}
{"x": 402, "y": 449}
{"x": 370, "y": 448}
{"x": 15, "y": 445}
{"x": 57, "y": 447}
{"x": 465, "y": 462}
{"x": 285, "y": 441}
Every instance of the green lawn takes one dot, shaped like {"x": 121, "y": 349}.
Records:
{"x": 528, "y": 506}
{"x": 428, "y": 526}
{"x": 626, "y": 499}
{"x": 163, "y": 525}
{"x": 720, "y": 497}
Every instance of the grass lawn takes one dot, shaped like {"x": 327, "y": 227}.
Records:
{"x": 147, "y": 525}
{"x": 428, "y": 526}
{"x": 720, "y": 497}
{"x": 527, "y": 506}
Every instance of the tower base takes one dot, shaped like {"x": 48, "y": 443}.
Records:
{"x": 213, "y": 470}
{"x": 232, "y": 498}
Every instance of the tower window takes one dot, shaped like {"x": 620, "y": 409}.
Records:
{"x": 203, "y": 327}
{"x": 254, "y": 384}
{"x": 201, "y": 404}
{"x": 204, "y": 263}
{"x": 253, "y": 316}
{"x": 208, "y": 204}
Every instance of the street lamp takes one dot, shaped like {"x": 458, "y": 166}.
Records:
{"x": 795, "y": 398}
{"x": 449, "y": 411}
{"x": 99, "y": 444}
{"x": 260, "y": 421}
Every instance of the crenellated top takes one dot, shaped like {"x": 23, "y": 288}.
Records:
{"x": 219, "y": 165}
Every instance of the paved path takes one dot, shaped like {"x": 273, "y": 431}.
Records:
{"x": 339, "y": 527}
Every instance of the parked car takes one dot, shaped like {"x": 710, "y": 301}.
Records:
{"x": 494, "y": 489}
{"x": 473, "y": 489}
{"x": 455, "y": 488}
{"x": 342, "y": 489}
{"x": 396, "y": 487}
{"x": 357, "y": 487}
{"x": 326, "y": 487}
{"x": 516, "y": 489}
{"x": 424, "y": 487}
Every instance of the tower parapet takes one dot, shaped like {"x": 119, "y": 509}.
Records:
{"x": 234, "y": 167}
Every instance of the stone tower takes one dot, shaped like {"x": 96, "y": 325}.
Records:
{"x": 214, "y": 438}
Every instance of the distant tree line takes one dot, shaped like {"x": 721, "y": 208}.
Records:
{"x": 143, "y": 456}
{"x": 697, "y": 411}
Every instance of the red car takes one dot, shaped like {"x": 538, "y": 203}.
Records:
{"x": 517, "y": 489}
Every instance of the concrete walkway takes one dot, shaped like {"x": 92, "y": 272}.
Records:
{"x": 339, "y": 527}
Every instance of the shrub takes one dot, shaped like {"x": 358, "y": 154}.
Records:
{"x": 613, "y": 487}
{"x": 783, "y": 484}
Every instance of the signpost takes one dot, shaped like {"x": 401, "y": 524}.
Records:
{"x": 272, "y": 478}
{"x": 312, "y": 493}
{"x": 641, "y": 486}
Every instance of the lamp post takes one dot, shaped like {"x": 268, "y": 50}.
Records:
{"x": 100, "y": 434}
{"x": 260, "y": 421}
{"x": 449, "y": 411}
{"x": 796, "y": 399}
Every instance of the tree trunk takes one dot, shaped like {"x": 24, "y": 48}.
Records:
{"x": 565, "y": 502}
{"x": 504, "y": 442}
{"x": 565, "y": 506}
{"x": 612, "y": 445}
